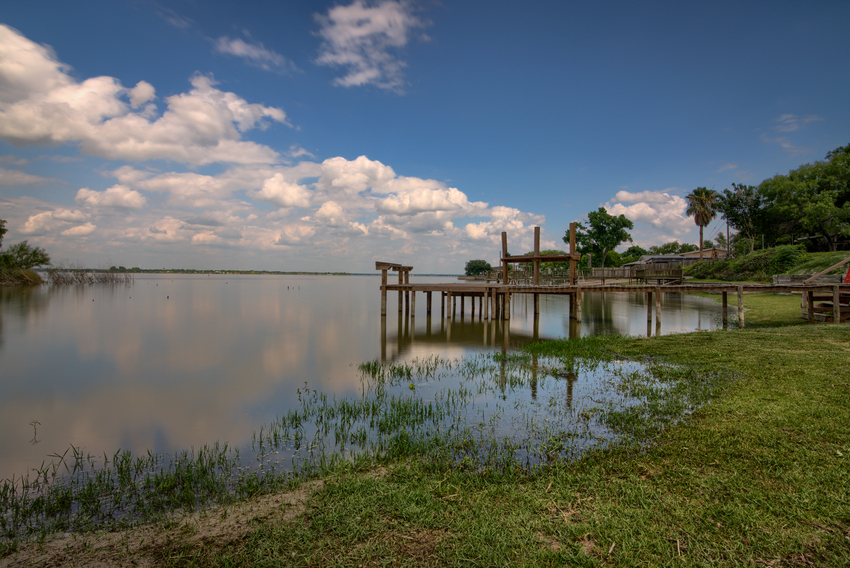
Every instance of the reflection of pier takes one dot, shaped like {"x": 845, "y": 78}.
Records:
{"x": 493, "y": 334}
{"x": 494, "y": 299}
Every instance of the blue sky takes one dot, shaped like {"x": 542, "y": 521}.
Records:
{"x": 324, "y": 136}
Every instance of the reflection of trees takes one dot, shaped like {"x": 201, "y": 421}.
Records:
{"x": 21, "y": 302}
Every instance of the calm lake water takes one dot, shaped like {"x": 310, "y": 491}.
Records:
{"x": 172, "y": 362}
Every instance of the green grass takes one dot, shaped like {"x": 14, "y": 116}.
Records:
{"x": 759, "y": 477}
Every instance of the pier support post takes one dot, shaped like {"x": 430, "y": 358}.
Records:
{"x": 384, "y": 292}
{"x": 462, "y": 305}
{"x": 657, "y": 311}
{"x": 407, "y": 293}
{"x": 492, "y": 303}
{"x": 725, "y": 307}
{"x": 454, "y": 306}
{"x": 428, "y": 303}
{"x": 472, "y": 307}
{"x": 507, "y": 312}
{"x": 449, "y": 305}
{"x": 413, "y": 304}
{"x": 740, "y": 306}
{"x": 578, "y": 305}
{"x": 536, "y": 304}
{"x": 504, "y": 255}
{"x": 486, "y": 304}
{"x": 810, "y": 305}
{"x": 836, "y": 307}
{"x": 400, "y": 293}
{"x": 649, "y": 307}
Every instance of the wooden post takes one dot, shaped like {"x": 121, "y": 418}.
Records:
{"x": 504, "y": 255}
{"x": 572, "y": 250}
{"x": 407, "y": 293}
{"x": 449, "y": 305}
{"x": 536, "y": 304}
{"x": 428, "y": 303}
{"x": 657, "y": 310}
{"x": 649, "y": 307}
{"x": 454, "y": 306}
{"x": 810, "y": 305}
{"x": 400, "y": 293}
{"x": 486, "y": 304}
{"x": 462, "y": 304}
{"x": 413, "y": 304}
{"x": 725, "y": 307}
{"x": 442, "y": 306}
{"x": 836, "y": 306}
{"x": 507, "y": 306}
{"x": 384, "y": 293}
{"x": 472, "y": 307}
{"x": 578, "y": 304}
{"x": 492, "y": 303}
{"x": 536, "y": 261}
{"x": 740, "y": 306}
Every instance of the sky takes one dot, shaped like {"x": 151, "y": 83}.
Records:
{"x": 322, "y": 136}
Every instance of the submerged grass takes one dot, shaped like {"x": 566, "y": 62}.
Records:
{"x": 496, "y": 413}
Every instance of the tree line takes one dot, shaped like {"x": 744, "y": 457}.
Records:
{"x": 809, "y": 205}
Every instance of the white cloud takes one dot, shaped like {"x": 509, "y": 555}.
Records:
{"x": 642, "y": 196}
{"x": 278, "y": 191}
{"x": 664, "y": 212}
{"x": 255, "y": 54}
{"x": 119, "y": 196}
{"x": 360, "y": 38}
{"x": 12, "y": 178}
{"x": 724, "y": 167}
{"x": 80, "y": 230}
{"x": 48, "y": 222}
{"x": 40, "y": 104}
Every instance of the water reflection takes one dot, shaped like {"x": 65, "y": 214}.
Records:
{"x": 172, "y": 362}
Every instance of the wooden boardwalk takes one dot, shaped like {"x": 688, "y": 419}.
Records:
{"x": 494, "y": 299}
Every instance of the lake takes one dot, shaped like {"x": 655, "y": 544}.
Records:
{"x": 171, "y": 362}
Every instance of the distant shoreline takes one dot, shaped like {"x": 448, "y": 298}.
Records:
{"x": 209, "y": 271}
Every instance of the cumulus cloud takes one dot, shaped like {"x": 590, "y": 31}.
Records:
{"x": 255, "y": 54}
{"x": 41, "y": 104}
{"x": 48, "y": 222}
{"x": 79, "y": 230}
{"x": 280, "y": 192}
{"x": 660, "y": 209}
{"x": 362, "y": 38}
{"x": 119, "y": 196}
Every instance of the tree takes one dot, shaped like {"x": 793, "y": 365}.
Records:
{"x": 813, "y": 199}
{"x": 2, "y": 231}
{"x": 743, "y": 208}
{"x": 476, "y": 267}
{"x": 702, "y": 204}
{"x": 632, "y": 254}
{"x": 22, "y": 255}
{"x": 672, "y": 247}
{"x": 720, "y": 241}
{"x": 603, "y": 234}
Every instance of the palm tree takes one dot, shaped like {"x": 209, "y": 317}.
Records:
{"x": 702, "y": 204}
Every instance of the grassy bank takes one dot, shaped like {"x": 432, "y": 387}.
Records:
{"x": 10, "y": 276}
{"x": 762, "y": 265}
{"x": 758, "y": 477}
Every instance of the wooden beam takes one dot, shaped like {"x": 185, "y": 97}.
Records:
{"x": 836, "y": 306}
{"x": 725, "y": 307}
{"x": 810, "y": 305}
{"x": 504, "y": 254}
{"x": 572, "y": 251}
{"x": 830, "y": 269}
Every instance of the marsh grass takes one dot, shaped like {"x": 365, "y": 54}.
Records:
{"x": 67, "y": 275}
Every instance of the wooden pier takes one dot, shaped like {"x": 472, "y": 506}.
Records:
{"x": 494, "y": 299}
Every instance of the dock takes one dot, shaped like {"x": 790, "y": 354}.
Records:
{"x": 494, "y": 298}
